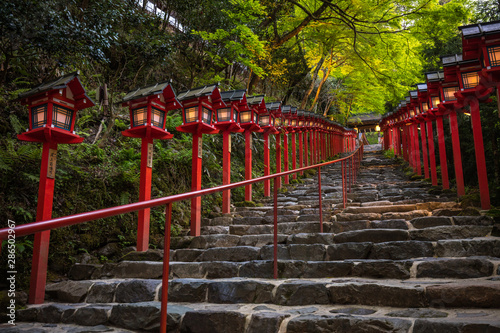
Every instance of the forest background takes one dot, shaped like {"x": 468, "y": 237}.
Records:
{"x": 337, "y": 58}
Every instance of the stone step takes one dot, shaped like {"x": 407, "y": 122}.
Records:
{"x": 320, "y": 263}
{"x": 255, "y": 318}
{"x": 473, "y": 293}
{"x": 397, "y": 250}
{"x": 286, "y": 228}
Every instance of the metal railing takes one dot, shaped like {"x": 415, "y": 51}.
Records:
{"x": 349, "y": 168}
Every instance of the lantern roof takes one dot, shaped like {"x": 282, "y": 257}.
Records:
{"x": 233, "y": 95}
{"x": 414, "y": 93}
{"x": 154, "y": 89}
{"x": 286, "y": 108}
{"x": 421, "y": 87}
{"x": 434, "y": 76}
{"x": 451, "y": 60}
{"x": 257, "y": 99}
{"x": 69, "y": 80}
{"x": 480, "y": 29}
{"x": 273, "y": 106}
{"x": 199, "y": 92}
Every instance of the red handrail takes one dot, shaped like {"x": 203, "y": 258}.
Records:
{"x": 353, "y": 162}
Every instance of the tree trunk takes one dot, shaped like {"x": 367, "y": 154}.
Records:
{"x": 311, "y": 87}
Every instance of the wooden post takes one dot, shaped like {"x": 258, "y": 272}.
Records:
{"x": 226, "y": 170}
{"x": 417, "y": 151}
{"x": 294, "y": 155}
{"x": 442, "y": 153}
{"x": 43, "y": 212}
{"x": 145, "y": 193}
{"x": 196, "y": 183}
{"x": 248, "y": 164}
{"x": 424, "y": 150}
{"x": 432, "y": 153}
{"x": 267, "y": 167}
{"x": 457, "y": 155}
{"x": 278, "y": 158}
{"x": 285, "y": 156}
{"x": 479, "y": 150}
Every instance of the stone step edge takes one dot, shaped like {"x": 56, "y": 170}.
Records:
{"x": 264, "y": 317}
{"x": 476, "y": 293}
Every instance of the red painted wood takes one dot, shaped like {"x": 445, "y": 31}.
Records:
{"x": 479, "y": 150}
{"x": 442, "y": 153}
{"x": 41, "y": 243}
{"x": 278, "y": 157}
{"x": 432, "y": 153}
{"x": 226, "y": 170}
{"x": 275, "y": 225}
{"x": 285, "y": 157}
{"x": 306, "y": 149}
{"x": 248, "y": 164}
{"x": 425, "y": 154}
{"x": 144, "y": 195}
{"x": 405, "y": 143}
{"x": 417, "y": 151}
{"x": 195, "y": 186}
{"x": 311, "y": 147}
{"x": 301, "y": 151}
{"x": 457, "y": 154}
{"x": 267, "y": 166}
{"x": 294, "y": 155}
{"x": 166, "y": 266}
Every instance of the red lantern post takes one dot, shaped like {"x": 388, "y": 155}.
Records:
{"x": 148, "y": 112}
{"x": 199, "y": 105}
{"x": 267, "y": 123}
{"x": 226, "y": 121}
{"x": 52, "y": 111}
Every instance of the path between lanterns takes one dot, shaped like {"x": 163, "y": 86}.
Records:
{"x": 399, "y": 258}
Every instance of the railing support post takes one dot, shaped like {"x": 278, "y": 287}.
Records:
{"x": 166, "y": 264}
{"x": 301, "y": 152}
{"x": 424, "y": 150}
{"x": 344, "y": 194}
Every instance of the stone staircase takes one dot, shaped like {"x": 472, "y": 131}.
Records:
{"x": 397, "y": 259}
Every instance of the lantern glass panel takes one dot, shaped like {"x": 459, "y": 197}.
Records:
{"x": 139, "y": 116}
{"x": 301, "y": 123}
{"x": 277, "y": 121}
{"x": 494, "y": 55}
{"x": 294, "y": 122}
{"x": 264, "y": 120}
{"x": 449, "y": 93}
{"x": 157, "y": 117}
{"x": 206, "y": 116}
{"x": 245, "y": 116}
{"x": 191, "y": 114}
{"x": 61, "y": 117}
{"x": 425, "y": 107}
{"x": 235, "y": 116}
{"x": 39, "y": 116}
{"x": 470, "y": 80}
{"x": 255, "y": 118}
{"x": 223, "y": 114}
{"x": 417, "y": 109}
{"x": 435, "y": 101}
